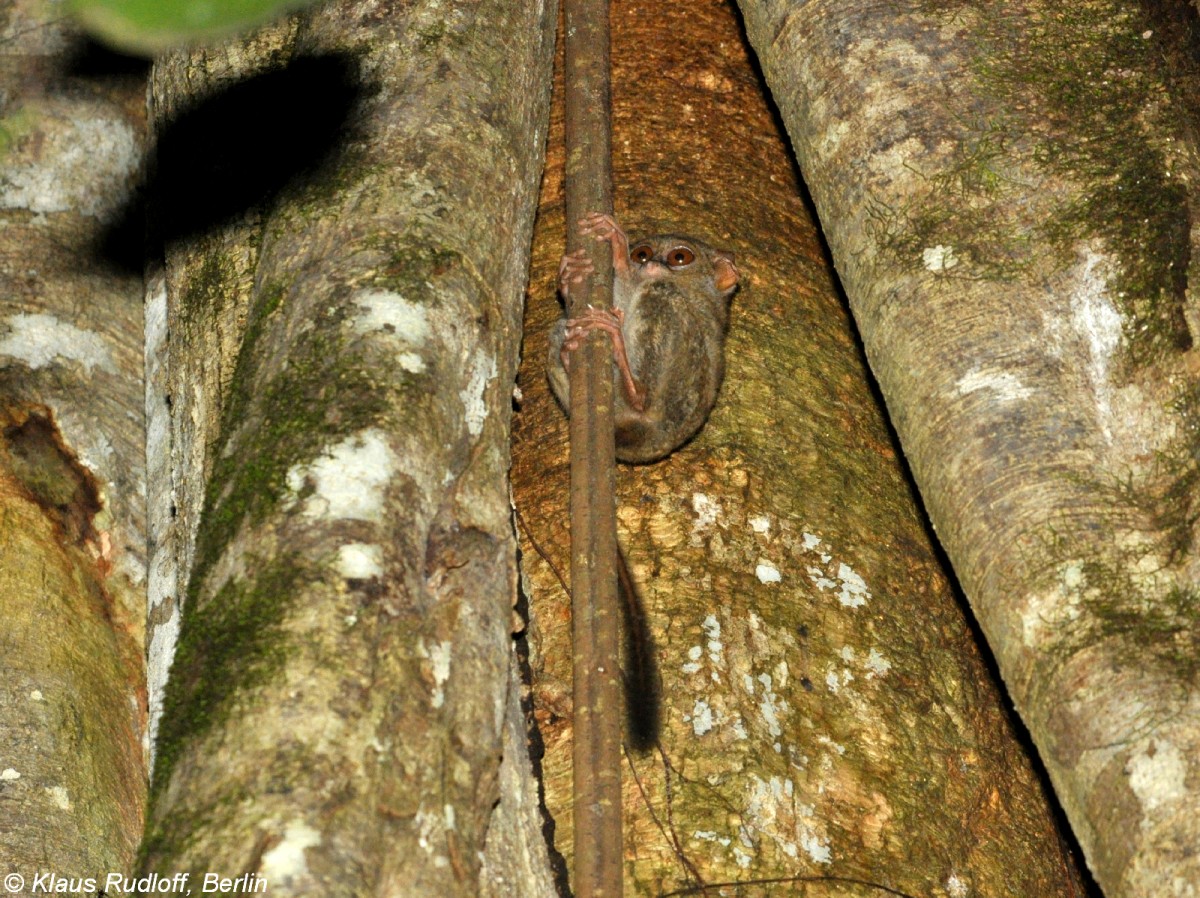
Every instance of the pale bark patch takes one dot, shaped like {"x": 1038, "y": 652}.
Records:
{"x": 483, "y": 371}
{"x": 773, "y": 812}
{"x": 40, "y": 340}
{"x": 439, "y": 655}
{"x": 360, "y": 561}
{"x": 1045, "y": 612}
{"x": 1097, "y": 322}
{"x": 939, "y": 258}
{"x": 1157, "y": 776}
{"x": 708, "y": 512}
{"x": 348, "y": 480}
{"x": 1005, "y": 387}
{"x": 162, "y": 576}
{"x": 854, "y": 592}
{"x": 956, "y": 888}
{"x": 60, "y": 796}
{"x": 389, "y": 316}
{"x": 767, "y": 572}
{"x": 877, "y": 664}
{"x": 286, "y": 860}
{"x": 701, "y": 717}
{"x": 84, "y": 164}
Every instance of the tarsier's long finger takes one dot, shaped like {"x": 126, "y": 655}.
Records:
{"x": 575, "y": 261}
{"x": 582, "y": 326}
{"x": 570, "y": 259}
{"x": 599, "y": 224}
{"x": 591, "y": 314}
{"x": 572, "y": 269}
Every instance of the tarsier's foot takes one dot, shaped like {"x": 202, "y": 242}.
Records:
{"x": 572, "y": 269}
{"x": 605, "y": 227}
{"x": 609, "y": 321}
{"x": 593, "y": 319}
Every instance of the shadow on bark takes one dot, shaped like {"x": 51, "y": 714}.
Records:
{"x": 92, "y": 59}
{"x": 643, "y": 684}
{"x": 237, "y": 150}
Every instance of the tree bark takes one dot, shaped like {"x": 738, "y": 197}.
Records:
{"x": 1008, "y": 194}
{"x": 342, "y": 716}
{"x": 72, "y": 538}
{"x": 826, "y": 717}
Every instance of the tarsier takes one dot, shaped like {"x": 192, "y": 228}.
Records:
{"x": 667, "y": 327}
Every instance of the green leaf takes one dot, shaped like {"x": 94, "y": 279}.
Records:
{"x": 148, "y": 26}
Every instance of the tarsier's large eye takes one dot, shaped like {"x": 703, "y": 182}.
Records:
{"x": 680, "y": 256}
{"x": 642, "y": 253}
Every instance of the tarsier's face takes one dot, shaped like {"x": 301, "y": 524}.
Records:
{"x": 673, "y": 256}
{"x": 692, "y": 261}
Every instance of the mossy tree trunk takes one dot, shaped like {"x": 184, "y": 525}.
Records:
{"x": 826, "y": 717}
{"x": 1008, "y": 193}
{"x": 72, "y": 539}
{"x": 342, "y": 717}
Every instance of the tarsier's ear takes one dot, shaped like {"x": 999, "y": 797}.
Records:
{"x": 727, "y": 273}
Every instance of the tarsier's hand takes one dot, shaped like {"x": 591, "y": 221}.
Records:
{"x": 572, "y": 269}
{"x": 605, "y": 227}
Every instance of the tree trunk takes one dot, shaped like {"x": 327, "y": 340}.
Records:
{"x": 826, "y": 718}
{"x": 342, "y": 716}
{"x": 72, "y": 541}
{"x": 1007, "y": 189}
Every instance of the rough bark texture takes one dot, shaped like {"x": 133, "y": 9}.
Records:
{"x": 825, "y": 713}
{"x": 72, "y": 770}
{"x": 72, "y": 539}
{"x": 1008, "y": 192}
{"x": 342, "y": 715}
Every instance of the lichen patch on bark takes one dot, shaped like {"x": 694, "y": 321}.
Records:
{"x": 40, "y": 339}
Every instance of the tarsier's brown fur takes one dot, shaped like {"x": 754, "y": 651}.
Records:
{"x": 670, "y": 312}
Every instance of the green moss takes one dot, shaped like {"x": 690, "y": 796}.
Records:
{"x": 1107, "y": 92}
{"x": 431, "y": 37}
{"x": 1178, "y": 513}
{"x": 1174, "y": 508}
{"x": 327, "y": 187}
{"x": 322, "y": 393}
{"x": 224, "y": 516}
{"x": 415, "y": 262}
{"x": 967, "y": 206}
{"x": 1132, "y": 597}
{"x": 174, "y": 835}
{"x": 13, "y": 127}
{"x": 1147, "y": 630}
{"x": 228, "y": 645}
{"x": 208, "y": 290}
{"x": 1077, "y": 91}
